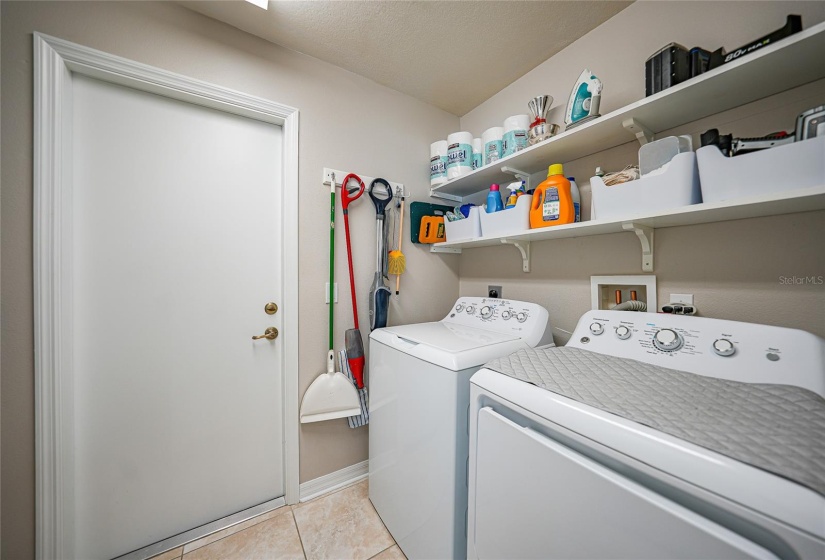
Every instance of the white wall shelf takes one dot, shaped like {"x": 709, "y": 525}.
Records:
{"x": 644, "y": 225}
{"x": 792, "y": 62}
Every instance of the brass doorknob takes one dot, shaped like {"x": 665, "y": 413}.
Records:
{"x": 270, "y": 334}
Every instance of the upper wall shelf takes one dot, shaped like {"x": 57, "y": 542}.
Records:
{"x": 792, "y": 62}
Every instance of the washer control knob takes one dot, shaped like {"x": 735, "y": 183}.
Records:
{"x": 521, "y": 317}
{"x": 723, "y": 347}
{"x": 596, "y": 328}
{"x": 506, "y": 315}
{"x": 622, "y": 332}
{"x": 459, "y": 307}
{"x": 667, "y": 340}
{"x": 486, "y": 312}
{"x": 471, "y": 309}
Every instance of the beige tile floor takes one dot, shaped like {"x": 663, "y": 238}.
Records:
{"x": 341, "y": 525}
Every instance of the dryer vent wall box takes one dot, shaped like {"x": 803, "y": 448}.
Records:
{"x": 606, "y": 290}
{"x": 419, "y": 400}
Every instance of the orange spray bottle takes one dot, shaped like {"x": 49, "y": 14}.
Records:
{"x": 552, "y": 201}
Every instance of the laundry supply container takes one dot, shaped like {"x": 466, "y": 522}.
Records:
{"x": 677, "y": 186}
{"x": 785, "y": 168}
{"x": 509, "y": 221}
{"x": 468, "y": 228}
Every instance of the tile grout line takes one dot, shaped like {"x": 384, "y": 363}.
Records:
{"x": 385, "y": 550}
{"x": 298, "y": 530}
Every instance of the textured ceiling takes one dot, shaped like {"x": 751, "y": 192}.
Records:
{"x": 451, "y": 54}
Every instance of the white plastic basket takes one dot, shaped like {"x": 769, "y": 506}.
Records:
{"x": 468, "y": 228}
{"x": 793, "y": 166}
{"x": 507, "y": 222}
{"x": 677, "y": 186}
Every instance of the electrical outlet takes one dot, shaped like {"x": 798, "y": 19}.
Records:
{"x": 326, "y": 292}
{"x": 494, "y": 291}
{"x": 684, "y": 299}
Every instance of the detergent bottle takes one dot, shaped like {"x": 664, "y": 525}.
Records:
{"x": 553, "y": 201}
{"x": 577, "y": 198}
{"x": 494, "y": 202}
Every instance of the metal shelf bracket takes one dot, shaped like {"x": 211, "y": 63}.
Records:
{"x": 524, "y": 249}
{"x": 643, "y": 134}
{"x": 437, "y": 248}
{"x": 524, "y": 176}
{"x": 645, "y": 235}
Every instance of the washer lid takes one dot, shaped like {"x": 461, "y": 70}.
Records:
{"x": 449, "y": 337}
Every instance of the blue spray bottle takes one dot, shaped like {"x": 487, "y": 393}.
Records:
{"x": 494, "y": 202}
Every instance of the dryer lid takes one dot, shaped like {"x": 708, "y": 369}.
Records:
{"x": 449, "y": 337}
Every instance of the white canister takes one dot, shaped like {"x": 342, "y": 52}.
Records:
{"x": 515, "y": 134}
{"x": 491, "y": 143}
{"x": 438, "y": 163}
{"x": 459, "y": 154}
{"x": 478, "y": 153}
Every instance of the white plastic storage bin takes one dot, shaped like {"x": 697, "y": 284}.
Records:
{"x": 794, "y": 166}
{"x": 507, "y": 222}
{"x": 467, "y": 228}
{"x": 677, "y": 186}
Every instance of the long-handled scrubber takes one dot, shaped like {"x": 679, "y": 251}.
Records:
{"x": 398, "y": 262}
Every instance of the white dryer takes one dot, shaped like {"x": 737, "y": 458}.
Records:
{"x": 419, "y": 402}
{"x": 614, "y": 447}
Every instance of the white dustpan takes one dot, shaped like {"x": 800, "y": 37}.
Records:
{"x": 330, "y": 396}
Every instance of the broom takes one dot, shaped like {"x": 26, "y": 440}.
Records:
{"x": 397, "y": 262}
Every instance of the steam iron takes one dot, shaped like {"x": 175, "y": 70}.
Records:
{"x": 583, "y": 105}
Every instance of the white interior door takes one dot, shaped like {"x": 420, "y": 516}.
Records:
{"x": 176, "y": 244}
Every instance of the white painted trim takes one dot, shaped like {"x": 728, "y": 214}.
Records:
{"x": 54, "y": 62}
{"x": 334, "y": 480}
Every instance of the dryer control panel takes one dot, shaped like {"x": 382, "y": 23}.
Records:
{"x": 732, "y": 350}
{"x": 528, "y": 321}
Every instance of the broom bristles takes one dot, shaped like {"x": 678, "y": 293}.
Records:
{"x": 397, "y": 263}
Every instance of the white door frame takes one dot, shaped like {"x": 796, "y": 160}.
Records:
{"x": 54, "y": 62}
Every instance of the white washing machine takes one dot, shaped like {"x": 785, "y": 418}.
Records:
{"x": 616, "y": 448}
{"x": 419, "y": 402}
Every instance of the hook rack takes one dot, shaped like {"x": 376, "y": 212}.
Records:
{"x": 339, "y": 176}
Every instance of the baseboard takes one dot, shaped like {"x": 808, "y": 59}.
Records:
{"x": 334, "y": 480}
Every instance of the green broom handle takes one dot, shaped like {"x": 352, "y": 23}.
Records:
{"x": 331, "y": 260}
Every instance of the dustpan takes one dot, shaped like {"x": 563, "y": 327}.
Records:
{"x": 331, "y": 395}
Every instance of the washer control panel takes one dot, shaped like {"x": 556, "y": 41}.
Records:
{"x": 526, "y": 320}
{"x": 714, "y": 347}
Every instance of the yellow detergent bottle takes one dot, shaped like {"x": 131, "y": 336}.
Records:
{"x": 552, "y": 201}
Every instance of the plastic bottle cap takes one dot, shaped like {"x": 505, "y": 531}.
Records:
{"x": 494, "y": 187}
{"x": 555, "y": 169}
{"x": 571, "y": 178}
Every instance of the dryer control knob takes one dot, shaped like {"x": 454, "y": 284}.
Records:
{"x": 486, "y": 312}
{"x": 596, "y": 328}
{"x": 459, "y": 307}
{"x": 506, "y": 315}
{"x": 622, "y": 332}
{"x": 471, "y": 309}
{"x": 521, "y": 317}
{"x": 723, "y": 347}
{"x": 667, "y": 340}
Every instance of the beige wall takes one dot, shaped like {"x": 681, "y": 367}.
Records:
{"x": 347, "y": 122}
{"x": 733, "y": 268}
